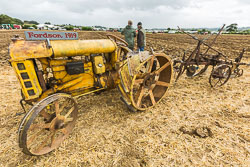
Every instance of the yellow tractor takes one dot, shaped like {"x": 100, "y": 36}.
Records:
{"x": 52, "y": 73}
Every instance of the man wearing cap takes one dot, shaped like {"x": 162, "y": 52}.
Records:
{"x": 141, "y": 37}
{"x": 130, "y": 34}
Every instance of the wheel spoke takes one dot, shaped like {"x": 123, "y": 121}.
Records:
{"x": 216, "y": 82}
{"x": 138, "y": 92}
{"x": 64, "y": 131}
{"x": 69, "y": 120}
{"x": 152, "y": 97}
{"x": 70, "y": 111}
{"x": 139, "y": 81}
{"x": 161, "y": 83}
{"x": 53, "y": 138}
{"x": 162, "y": 68}
{"x": 33, "y": 137}
{"x": 45, "y": 114}
{"x": 140, "y": 97}
{"x": 220, "y": 81}
{"x": 63, "y": 106}
{"x": 151, "y": 64}
{"x": 39, "y": 126}
{"x": 44, "y": 142}
{"x": 57, "y": 107}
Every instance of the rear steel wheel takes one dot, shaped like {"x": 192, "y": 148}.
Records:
{"x": 151, "y": 82}
{"x": 47, "y": 124}
{"x": 220, "y": 75}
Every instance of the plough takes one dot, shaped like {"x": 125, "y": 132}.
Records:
{"x": 197, "y": 63}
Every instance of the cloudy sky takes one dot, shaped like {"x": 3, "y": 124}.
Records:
{"x": 115, "y": 13}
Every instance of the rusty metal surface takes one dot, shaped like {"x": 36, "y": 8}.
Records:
{"x": 22, "y": 50}
{"x": 198, "y": 60}
{"x": 149, "y": 87}
{"x": 78, "y": 68}
{"x": 41, "y": 80}
{"x": 220, "y": 75}
{"x": 117, "y": 40}
{"x": 82, "y": 47}
{"x": 145, "y": 79}
{"x": 53, "y": 122}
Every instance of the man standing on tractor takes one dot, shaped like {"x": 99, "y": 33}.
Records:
{"x": 130, "y": 34}
{"x": 141, "y": 37}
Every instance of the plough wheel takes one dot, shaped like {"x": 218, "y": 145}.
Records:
{"x": 47, "y": 124}
{"x": 220, "y": 75}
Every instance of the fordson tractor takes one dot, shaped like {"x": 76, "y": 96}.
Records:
{"x": 52, "y": 73}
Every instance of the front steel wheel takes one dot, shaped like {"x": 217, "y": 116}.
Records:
{"x": 47, "y": 124}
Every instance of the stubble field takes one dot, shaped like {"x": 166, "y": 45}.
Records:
{"x": 194, "y": 125}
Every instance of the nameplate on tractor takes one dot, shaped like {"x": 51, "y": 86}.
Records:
{"x": 43, "y": 35}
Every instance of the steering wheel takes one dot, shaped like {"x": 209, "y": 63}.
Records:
{"x": 117, "y": 40}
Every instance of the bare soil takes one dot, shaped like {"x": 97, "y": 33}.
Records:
{"x": 194, "y": 125}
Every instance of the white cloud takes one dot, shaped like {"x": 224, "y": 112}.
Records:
{"x": 115, "y": 13}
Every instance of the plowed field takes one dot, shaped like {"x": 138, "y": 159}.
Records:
{"x": 194, "y": 125}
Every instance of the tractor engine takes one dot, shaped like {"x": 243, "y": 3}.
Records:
{"x": 74, "y": 67}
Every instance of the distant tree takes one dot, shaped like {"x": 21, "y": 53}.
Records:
{"x": 34, "y": 26}
{"x": 245, "y": 32}
{"x": 169, "y": 29}
{"x": 69, "y": 27}
{"x": 25, "y": 26}
{"x": 203, "y": 31}
{"x": 5, "y": 19}
{"x": 17, "y": 21}
{"x": 48, "y": 23}
{"x": 232, "y": 28}
{"x": 87, "y": 28}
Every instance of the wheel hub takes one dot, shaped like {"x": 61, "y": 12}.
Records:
{"x": 57, "y": 124}
{"x": 191, "y": 71}
{"x": 149, "y": 80}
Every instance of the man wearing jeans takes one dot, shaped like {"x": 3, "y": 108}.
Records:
{"x": 141, "y": 37}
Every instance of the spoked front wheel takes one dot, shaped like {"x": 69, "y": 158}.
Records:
{"x": 47, "y": 124}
